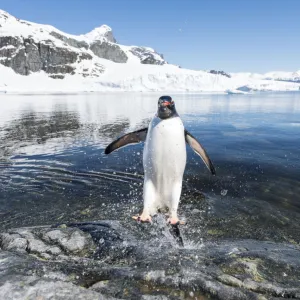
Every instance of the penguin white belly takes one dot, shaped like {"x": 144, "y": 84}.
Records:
{"x": 164, "y": 161}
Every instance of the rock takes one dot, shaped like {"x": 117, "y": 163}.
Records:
{"x": 70, "y": 41}
{"x": 148, "y": 56}
{"x": 44, "y": 242}
{"x": 70, "y": 240}
{"x": 25, "y": 56}
{"x": 39, "y": 247}
{"x": 57, "y": 76}
{"x": 141, "y": 261}
{"x": 52, "y": 55}
{"x": 33, "y": 60}
{"x": 110, "y": 51}
{"x": 18, "y": 62}
{"x": 220, "y": 73}
{"x": 13, "y": 242}
{"x": 60, "y": 69}
{"x": 33, "y": 288}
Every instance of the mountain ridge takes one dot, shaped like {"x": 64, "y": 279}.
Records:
{"x": 96, "y": 62}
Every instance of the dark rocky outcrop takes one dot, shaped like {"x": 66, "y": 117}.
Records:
{"x": 110, "y": 51}
{"x": 147, "y": 57}
{"x": 220, "y": 73}
{"x": 69, "y": 41}
{"x": 25, "y": 56}
{"x": 106, "y": 260}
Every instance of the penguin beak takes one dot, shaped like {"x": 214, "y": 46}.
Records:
{"x": 166, "y": 103}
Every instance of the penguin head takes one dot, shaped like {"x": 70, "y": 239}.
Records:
{"x": 166, "y": 107}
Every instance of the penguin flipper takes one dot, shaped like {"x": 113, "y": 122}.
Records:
{"x": 130, "y": 138}
{"x": 196, "y": 146}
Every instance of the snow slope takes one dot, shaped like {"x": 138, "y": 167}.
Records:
{"x": 129, "y": 76}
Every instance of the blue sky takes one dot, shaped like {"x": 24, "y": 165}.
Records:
{"x": 230, "y": 35}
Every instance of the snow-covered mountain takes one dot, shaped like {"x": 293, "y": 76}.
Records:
{"x": 278, "y": 76}
{"x": 283, "y": 76}
{"x": 27, "y": 48}
{"x": 41, "y": 58}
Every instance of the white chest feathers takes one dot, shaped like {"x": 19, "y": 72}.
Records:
{"x": 165, "y": 151}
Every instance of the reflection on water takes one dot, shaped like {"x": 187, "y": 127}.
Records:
{"x": 52, "y": 166}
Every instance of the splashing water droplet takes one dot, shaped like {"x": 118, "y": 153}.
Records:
{"x": 224, "y": 192}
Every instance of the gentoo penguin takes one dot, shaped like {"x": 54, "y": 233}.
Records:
{"x": 164, "y": 159}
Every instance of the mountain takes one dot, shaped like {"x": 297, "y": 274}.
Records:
{"x": 27, "y": 48}
{"x": 41, "y": 58}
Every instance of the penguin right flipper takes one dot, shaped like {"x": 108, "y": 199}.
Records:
{"x": 130, "y": 138}
{"x": 196, "y": 146}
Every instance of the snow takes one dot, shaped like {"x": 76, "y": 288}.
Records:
{"x": 130, "y": 76}
{"x": 97, "y": 34}
{"x": 275, "y": 75}
{"x": 134, "y": 77}
{"x": 233, "y": 92}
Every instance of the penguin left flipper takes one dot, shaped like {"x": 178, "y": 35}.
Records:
{"x": 130, "y": 138}
{"x": 198, "y": 149}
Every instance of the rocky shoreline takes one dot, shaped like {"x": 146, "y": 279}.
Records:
{"x": 105, "y": 260}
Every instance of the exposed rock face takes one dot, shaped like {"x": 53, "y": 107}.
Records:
{"x": 71, "y": 42}
{"x": 147, "y": 56}
{"x": 25, "y": 56}
{"x": 110, "y": 51}
{"x": 220, "y": 73}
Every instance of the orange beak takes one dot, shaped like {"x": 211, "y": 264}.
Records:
{"x": 166, "y": 103}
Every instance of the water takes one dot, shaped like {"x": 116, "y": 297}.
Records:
{"x": 53, "y": 169}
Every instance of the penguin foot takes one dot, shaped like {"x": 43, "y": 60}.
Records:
{"x": 175, "y": 221}
{"x": 142, "y": 219}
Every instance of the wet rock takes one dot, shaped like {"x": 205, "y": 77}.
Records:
{"x": 142, "y": 261}
{"x": 33, "y": 288}
{"x": 12, "y": 242}
{"x": 48, "y": 243}
{"x": 70, "y": 240}
{"x": 113, "y": 242}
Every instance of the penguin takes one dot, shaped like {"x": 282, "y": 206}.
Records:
{"x": 164, "y": 159}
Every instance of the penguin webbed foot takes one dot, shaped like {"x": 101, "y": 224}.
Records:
{"x": 142, "y": 219}
{"x": 175, "y": 222}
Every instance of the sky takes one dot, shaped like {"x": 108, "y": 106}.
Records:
{"x": 230, "y": 35}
